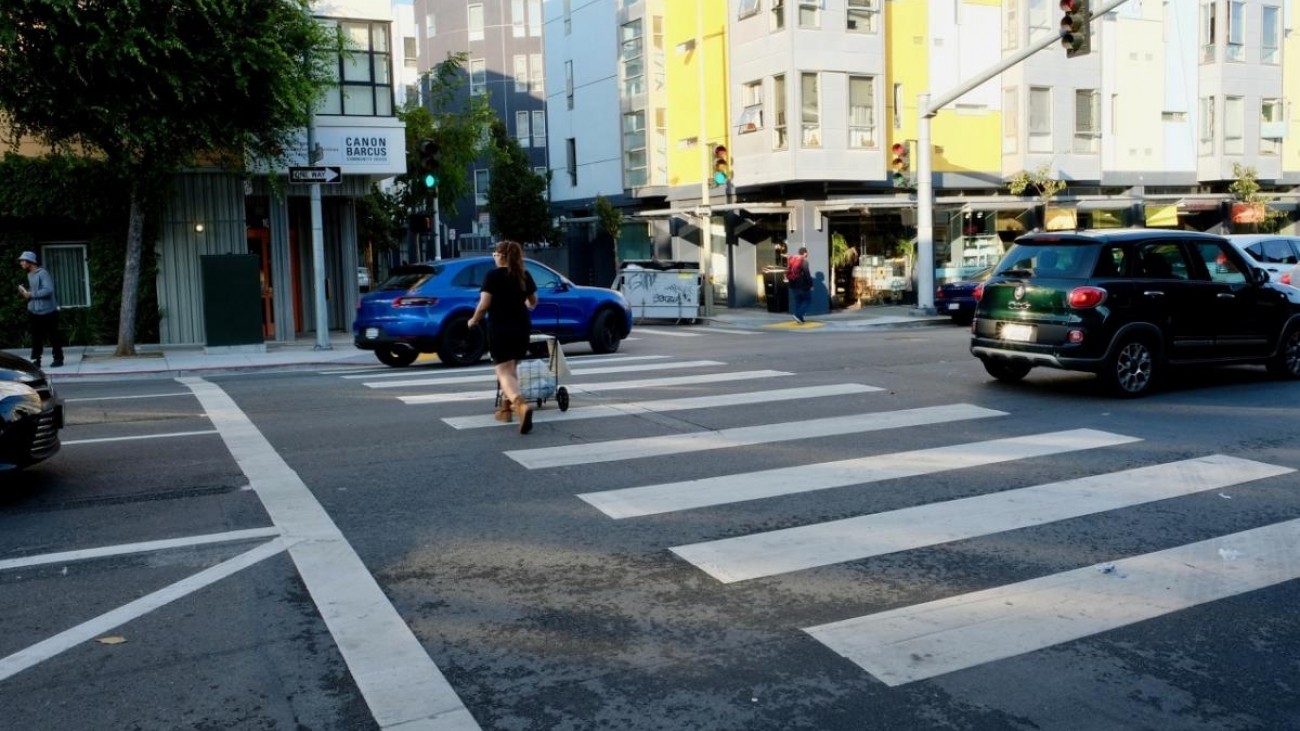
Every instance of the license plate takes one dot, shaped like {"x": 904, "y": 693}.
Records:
{"x": 954, "y": 306}
{"x": 372, "y": 333}
{"x": 1021, "y": 333}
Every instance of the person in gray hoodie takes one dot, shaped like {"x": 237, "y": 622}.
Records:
{"x": 42, "y": 308}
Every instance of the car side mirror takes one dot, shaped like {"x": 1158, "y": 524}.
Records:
{"x": 561, "y": 286}
{"x": 1258, "y": 276}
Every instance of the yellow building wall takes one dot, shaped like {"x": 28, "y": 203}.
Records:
{"x": 689, "y": 165}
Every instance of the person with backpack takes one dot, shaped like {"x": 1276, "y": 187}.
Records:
{"x": 799, "y": 280}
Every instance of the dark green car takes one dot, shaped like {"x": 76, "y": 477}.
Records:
{"x": 1127, "y": 303}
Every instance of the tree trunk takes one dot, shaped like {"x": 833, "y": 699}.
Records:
{"x": 130, "y": 279}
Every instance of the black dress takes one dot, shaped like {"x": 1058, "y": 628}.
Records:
{"x": 508, "y": 321}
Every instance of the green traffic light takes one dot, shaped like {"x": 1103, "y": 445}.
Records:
{"x": 719, "y": 178}
{"x": 430, "y": 181}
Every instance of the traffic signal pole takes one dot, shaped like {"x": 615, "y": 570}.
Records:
{"x": 927, "y": 109}
{"x": 318, "y": 250}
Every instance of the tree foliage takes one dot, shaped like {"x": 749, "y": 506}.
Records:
{"x": 1041, "y": 180}
{"x": 517, "y": 198}
{"x": 1245, "y": 186}
{"x": 153, "y": 85}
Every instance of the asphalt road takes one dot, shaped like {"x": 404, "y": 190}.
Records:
{"x": 727, "y": 530}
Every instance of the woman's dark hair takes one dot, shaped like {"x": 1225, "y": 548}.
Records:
{"x": 512, "y": 257}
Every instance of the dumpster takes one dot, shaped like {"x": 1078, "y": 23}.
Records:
{"x": 775, "y": 289}
{"x": 661, "y": 290}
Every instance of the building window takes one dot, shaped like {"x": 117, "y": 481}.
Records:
{"x": 1087, "y": 121}
{"x": 751, "y": 115}
{"x": 537, "y": 72}
{"x": 898, "y": 106}
{"x": 430, "y": 26}
{"x": 482, "y": 181}
{"x": 1271, "y": 36}
{"x": 568, "y": 18}
{"x": 810, "y": 13}
{"x": 1208, "y": 29}
{"x": 521, "y": 74}
{"x": 778, "y": 15}
{"x": 1236, "y": 48}
{"x": 363, "y": 74}
{"x": 631, "y": 59}
{"x": 568, "y": 84}
{"x": 1234, "y": 125}
{"x": 476, "y": 22}
{"x": 523, "y": 131}
{"x": 810, "y": 112}
{"x": 544, "y": 172}
{"x": 863, "y": 16}
{"x": 518, "y": 20}
{"x": 1040, "y": 120}
{"x": 1041, "y": 19}
{"x": 862, "y": 111}
{"x": 68, "y": 266}
{"x": 535, "y": 18}
{"x": 1011, "y": 25}
{"x": 539, "y": 128}
{"x": 409, "y": 52}
{"x": 747, "y": 8}
{"x": 1010, "y": 120}
{"x": 571, "y": 160}
{"x": 634, "y": 155}
{"x": 477, "y": 76}
{"x": 1271, "y": 128}
{"x": 780, "y": 140}
{"x": 1206, "y": 146}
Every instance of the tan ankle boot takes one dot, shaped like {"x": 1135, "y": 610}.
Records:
{"x": 504, "y": 410}
{"x": 525, "y": 416}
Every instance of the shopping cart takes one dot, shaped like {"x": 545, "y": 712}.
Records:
{"x": 539, "y": 378}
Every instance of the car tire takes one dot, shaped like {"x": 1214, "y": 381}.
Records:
{"x": 1286, "y": 363}
{"x": 1005, "y": 371}
{"x": 461, "y": 344}
{"x": 1132, "y": 367}
{"x": 605, "y": 336}
{"x": 397, "y": 357}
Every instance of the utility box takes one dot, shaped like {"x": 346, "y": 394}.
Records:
{"x": 661, "y": 290}
{"x": 232, "y": 301}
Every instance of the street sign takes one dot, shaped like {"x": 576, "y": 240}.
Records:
{"x": 317, "y": 174}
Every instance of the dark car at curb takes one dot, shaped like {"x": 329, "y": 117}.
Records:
{"x": 425, "y": 308}
{"x": 31, "y": 414}
{"x": 1126, "y": 304}
{"x": 957, "y": 299}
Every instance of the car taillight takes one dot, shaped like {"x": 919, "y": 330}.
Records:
{"x": 1286, "y": 278}
{"x": 412, "y": 301}
{"x": 1084, "y": 297}
{"x": 938, "y": 293}
{"x": 978, "y": 294}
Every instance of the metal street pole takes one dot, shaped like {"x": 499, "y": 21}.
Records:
{"x": 705, "y": 213}
{"x": 317, "y": 249}
{"x": 437, "y": 231}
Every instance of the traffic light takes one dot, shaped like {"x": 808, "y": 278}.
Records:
{"x": 900, "y": 162}
{"x": 1076, "y": 28}
{"x": 721, "y": 165}
{"x": 429, "y": 165}
{"x": 420, "y": 223}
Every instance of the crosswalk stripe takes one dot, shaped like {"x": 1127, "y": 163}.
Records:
{"x": 491, "y": 377}
{"x": 599, "y": 388}
{"x": 665, "y": 405}
{"x": 793, "y": 549}
{"x": 926, "y": 640}
{"x": 671, "y": 333}
{"x": 742, "y": 436}
{"x": 723, "y": 489}
{"x": 470, "y": 370}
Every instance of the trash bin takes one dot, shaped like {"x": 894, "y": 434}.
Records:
{"x": 667, "y": 290}
{"x": 775, "y": 289}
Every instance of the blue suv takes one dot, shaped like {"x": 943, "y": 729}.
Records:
{"x": 426, "y": 308}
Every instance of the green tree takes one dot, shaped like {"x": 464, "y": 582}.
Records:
{"x": 1044, "y": 185}
{"x": 381, "y": 221}
{"x": 517, "y": 199}
{"x": 1245, "y": 186}
{"x": 155, "y": 85}
{"x": 611, "y": 223}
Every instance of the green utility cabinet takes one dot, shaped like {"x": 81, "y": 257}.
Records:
{"x": 232, "y": 299}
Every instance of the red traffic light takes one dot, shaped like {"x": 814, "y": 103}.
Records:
{"x": 1069, "y": 6}
{"x": 898, "y": 149}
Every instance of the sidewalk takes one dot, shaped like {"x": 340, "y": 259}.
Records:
{"x": 99, "y": 363}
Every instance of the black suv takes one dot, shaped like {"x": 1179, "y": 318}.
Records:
{"x": 1126, "y": 303}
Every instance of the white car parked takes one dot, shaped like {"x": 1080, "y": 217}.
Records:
{"x": 1276, "y": 254}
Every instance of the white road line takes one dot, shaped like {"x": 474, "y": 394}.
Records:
{"x": 45, "y": 649}
{"x": 126, "y": 549}
{"x": 186, "y": 394}
{"x": 665, "y": 405}
{"x": 670, "y": 333}
{"x": 402, "y": 686}
{"x": 723, "y": 489}
{"x": 447, "y": 372}
{"x": 491, "y": 377}
{"x": 852, "y": 539}
{"x": 733, "y": 332}
{"x": 141, "y": 436}
{"x": 599, "y": 388}
{"x": 943, "y": 636}
{"x": 574, "y": 454}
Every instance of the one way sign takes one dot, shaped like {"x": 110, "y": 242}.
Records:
{"x": 317, "y": 174}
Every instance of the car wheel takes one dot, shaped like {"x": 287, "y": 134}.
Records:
{"x": 461, "y": 344}
{"x": 1286, "y": 364}
{"x": 399, "y": 356}
{"x": 1131, "y": 370}
{"x": 1005, "y": 371}
{"x": 604, "y": 333}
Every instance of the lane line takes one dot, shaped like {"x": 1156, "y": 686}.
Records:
{"x": 600, "y": 388}
{"x": 733, "y": 332}
{"x": 491, "y": 377}
{"x": 186, "y": 394}
{"x": 723, "y": 489}
{"x": 455, "y": 372}
{"x": 126, "y": 549}
{"x": 926, "y": 640}
{"x": 794, "y": 549}
{"x": 480, "y": 421}
{"x": 140, "y": 436}
{"x": 400, "y": 683}
{"x": 670, "y": 333}
{"x": 576, "y": 454}
{"x": 88, "y": 630}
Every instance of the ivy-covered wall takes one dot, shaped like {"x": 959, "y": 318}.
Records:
{"x": 59, "y": 198}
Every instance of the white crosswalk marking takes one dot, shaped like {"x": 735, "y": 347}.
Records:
{"x": 445, "y": 372}
{"x": 491, "y": 377}
{"x": 743, "y": 436}
{"x": 599, "y": 388}
{"x": 723, "y": 489}
{"x": 665, "y": 405}
{"x": 822, "y": 544}
{"x": 923, "y": 641}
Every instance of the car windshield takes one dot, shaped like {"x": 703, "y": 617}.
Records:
{"x": 405, "y": 278}
{"x": 1054, "y": 260}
